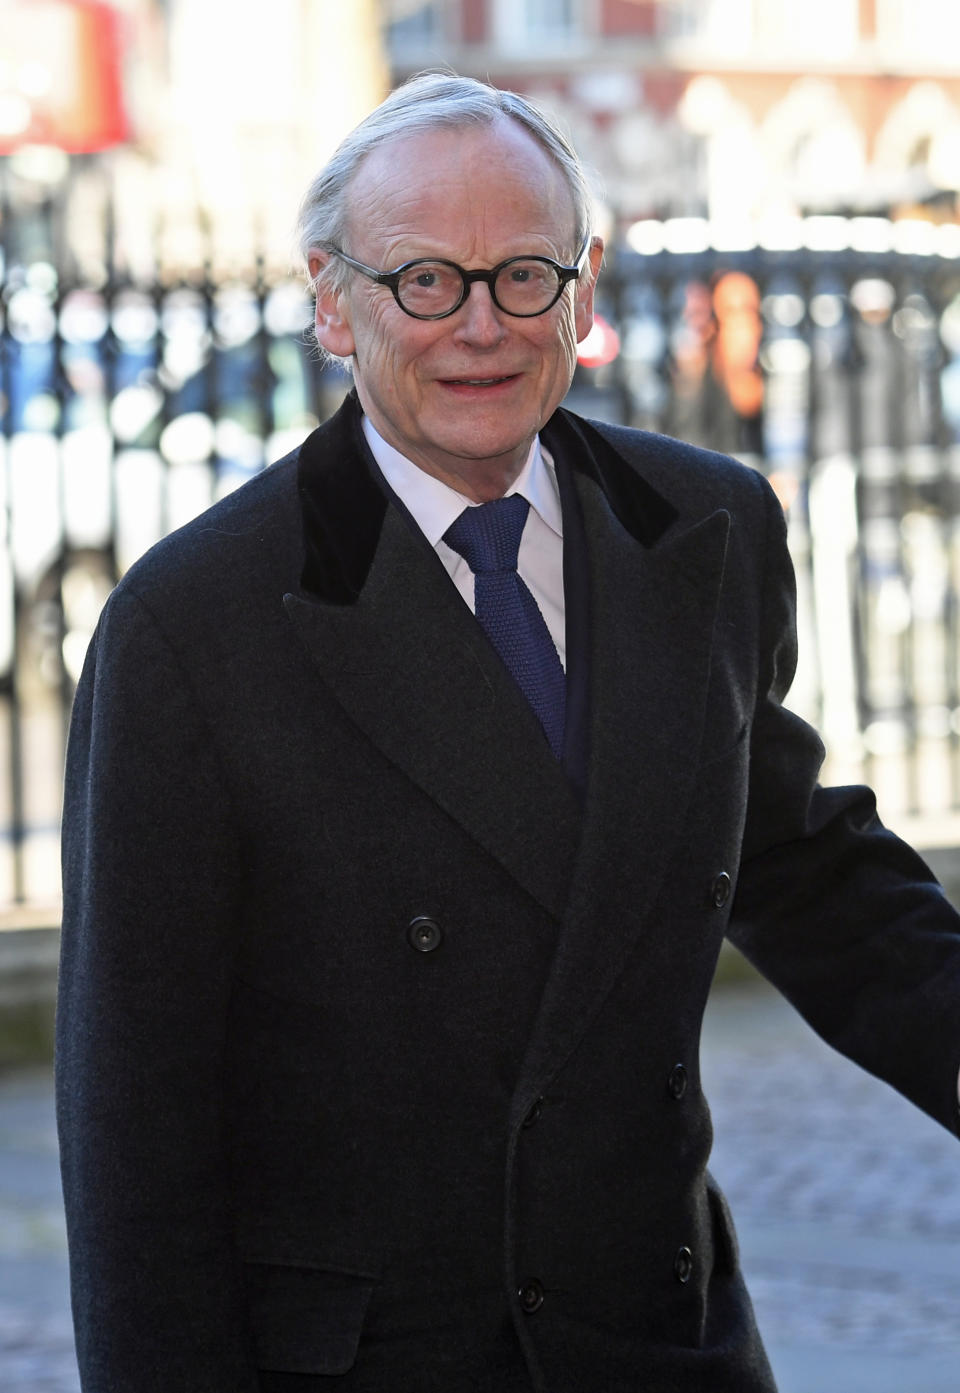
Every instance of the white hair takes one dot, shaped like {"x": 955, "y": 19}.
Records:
{"x": 425, "y": 103}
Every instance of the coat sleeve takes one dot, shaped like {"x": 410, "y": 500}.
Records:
{"x": 151, "y": 885}
{"x": 837, "y": 912}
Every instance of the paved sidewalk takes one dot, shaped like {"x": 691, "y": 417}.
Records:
{"x": 847, "y": 1202}
{"x": 36, "y": 1340}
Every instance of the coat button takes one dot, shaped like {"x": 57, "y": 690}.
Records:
{"x": 424, "y": 934}
{"x": 530, "y": 1296}
{"x": 533, "y": 1116}
{"x": 721, "y": 889}
{"x": 683, "y": 1265}
{"x": 677, "y": 1082}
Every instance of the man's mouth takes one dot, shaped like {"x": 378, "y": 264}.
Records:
{"x": 477, "y": 381}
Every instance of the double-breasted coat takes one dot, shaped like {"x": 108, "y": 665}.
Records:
{"x": 378, "y": 1028}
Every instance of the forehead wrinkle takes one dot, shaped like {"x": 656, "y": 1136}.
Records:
{"x": 407, "y": 216}
{"x": 390, "y": 216}
{"x": 401, "y": 210}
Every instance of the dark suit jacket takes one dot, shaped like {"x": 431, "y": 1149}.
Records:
{"x": 367, "y": 1025}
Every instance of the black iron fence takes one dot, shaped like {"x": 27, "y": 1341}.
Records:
{"x": 144, "y": 372}
{"x": 136, "y": 388}
{"x": 836, "y": 370}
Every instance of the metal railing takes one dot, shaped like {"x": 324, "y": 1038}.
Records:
{"x": 835, "y": 369}
{"x": 135, "y": 389}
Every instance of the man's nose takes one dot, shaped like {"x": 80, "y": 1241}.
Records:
{"x": 478, "y": 319}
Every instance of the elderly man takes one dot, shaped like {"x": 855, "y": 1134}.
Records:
{"x": 411, "y": 791}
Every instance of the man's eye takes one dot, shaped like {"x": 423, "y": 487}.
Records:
{"x": 520, "y": 275}
{"x": 425, "y": 280}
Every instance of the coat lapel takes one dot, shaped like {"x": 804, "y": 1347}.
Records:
{"x": 401, "y": 653}
{"x": 653, "y": 604}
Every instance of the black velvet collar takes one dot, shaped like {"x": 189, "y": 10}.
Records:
{"x": 343, "y": 506}
{"x": 344, "y": 502}
{"x": 637, "y": 505}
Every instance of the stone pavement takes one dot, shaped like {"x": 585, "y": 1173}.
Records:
{"x": 847, "y": 1203}
{"x": 36, "y": 1340}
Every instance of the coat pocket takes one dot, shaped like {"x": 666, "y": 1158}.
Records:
{"x": 305, "y": 1320}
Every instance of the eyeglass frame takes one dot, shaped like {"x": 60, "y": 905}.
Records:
{"x": 565, "y": 275}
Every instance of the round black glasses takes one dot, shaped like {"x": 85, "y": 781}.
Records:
{"x": 522, "y": 286}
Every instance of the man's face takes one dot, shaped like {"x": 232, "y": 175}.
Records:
{"x": 464, "y": 396}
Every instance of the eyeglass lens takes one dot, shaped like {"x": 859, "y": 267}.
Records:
{"x": 521, "y": 287}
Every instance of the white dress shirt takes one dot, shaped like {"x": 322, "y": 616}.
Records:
{"x": 434, "y": 505}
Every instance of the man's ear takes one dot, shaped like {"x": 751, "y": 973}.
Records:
{"x": 330, "y": 316}
{"x": 583, "y": 300}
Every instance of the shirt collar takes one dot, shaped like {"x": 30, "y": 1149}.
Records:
{"x": 434, "y": 505}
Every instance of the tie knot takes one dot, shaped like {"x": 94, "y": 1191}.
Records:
{"x": 488, "y": 536}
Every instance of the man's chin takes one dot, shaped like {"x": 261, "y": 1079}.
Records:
{"x": 475, "y": 465}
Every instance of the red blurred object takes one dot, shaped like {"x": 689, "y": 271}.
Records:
{"x": 61, "y": 79}
{"x": 601, "y": 345}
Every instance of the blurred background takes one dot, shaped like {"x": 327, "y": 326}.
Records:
{"x": 778, "y": 184}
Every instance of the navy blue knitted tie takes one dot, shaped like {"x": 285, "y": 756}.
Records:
{"x": 488, "y": 539}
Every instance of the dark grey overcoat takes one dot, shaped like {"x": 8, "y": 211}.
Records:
{"x": 378, "y": 1050}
